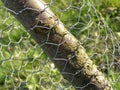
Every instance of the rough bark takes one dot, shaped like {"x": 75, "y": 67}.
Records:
{"x": 60, "y": 45}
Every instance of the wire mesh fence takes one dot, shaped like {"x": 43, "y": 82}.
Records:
{"x": 25, "y": 66}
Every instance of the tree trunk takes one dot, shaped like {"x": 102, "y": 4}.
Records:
{"x": 65, "y": 51}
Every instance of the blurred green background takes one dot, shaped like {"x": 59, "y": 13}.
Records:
{"x": 23, "y": 64}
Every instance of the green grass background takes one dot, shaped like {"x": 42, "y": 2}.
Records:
{"x": 25, "y": 67}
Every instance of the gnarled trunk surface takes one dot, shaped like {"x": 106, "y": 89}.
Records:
{"x": 60, "y": 45}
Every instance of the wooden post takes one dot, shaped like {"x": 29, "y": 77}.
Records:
{"x": 65, "y": 51}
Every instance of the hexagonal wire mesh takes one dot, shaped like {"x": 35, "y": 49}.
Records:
{"x": 24, "y": 65}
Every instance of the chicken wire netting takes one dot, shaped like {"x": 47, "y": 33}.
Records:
{"x": 25, "y": 66}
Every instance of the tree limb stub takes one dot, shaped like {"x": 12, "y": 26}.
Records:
{"x": 60, "y": 45}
